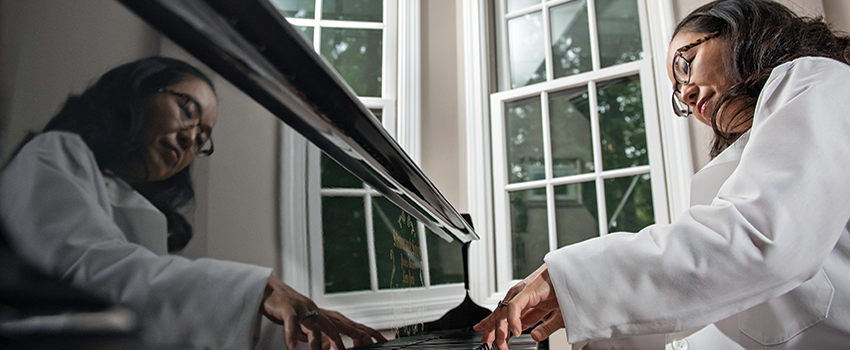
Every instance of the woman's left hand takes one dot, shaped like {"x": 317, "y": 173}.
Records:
{"x": 360, "y": 334}
{"x": 303, "y": 320}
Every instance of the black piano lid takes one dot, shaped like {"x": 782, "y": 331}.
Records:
{"x": 249, "y": 43}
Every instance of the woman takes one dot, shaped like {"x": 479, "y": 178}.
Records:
{"x": 762, "y": 255}
{"x": 95, "y": 200}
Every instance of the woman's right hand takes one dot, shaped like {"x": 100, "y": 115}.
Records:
{"x": 526, "y": 304}
{"x": 489, "y": 322}
{"x": 303, "y": 320}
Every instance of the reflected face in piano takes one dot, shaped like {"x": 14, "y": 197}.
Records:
{"x": 179, "y": 122}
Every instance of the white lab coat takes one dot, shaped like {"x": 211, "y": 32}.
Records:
{"x": 95, "y": 231}
{"x": 763, "y": 254}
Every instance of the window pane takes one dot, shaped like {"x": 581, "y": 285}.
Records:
{"x": 514, "y": 5}
{"x": 445, "y": 259}
{"x": 618, "y": 25}
{"x": 296, "y": 8}
{"x": 576, "y": 216}
{"x": 570, "y": 39}
{"x": 379, "y": 113}
{"x": 524, "y": 139}
{"x": 629, "y": 203}
{"x": 345, "y": 252}
{"x": 526, "y": 50}
{"x": 353, "y": 10}
{"x": 335, "y": 176}
{"x": 529, "y": 230}
{"x": 307, "y": 33}
{"x": 569, "y": 124}
{"x": 356, "y": 55}
{"x": 397, "y": 250}
{"x": 621, "y": 123}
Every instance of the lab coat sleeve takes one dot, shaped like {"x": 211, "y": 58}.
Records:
{"x": 59, "y": 217}
{"x": 768, "y": 230}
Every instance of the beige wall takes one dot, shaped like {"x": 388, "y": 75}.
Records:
{"x": 443, "y": 122}
{"x": 51, "y": 48}
{"x": 837, "y": 12}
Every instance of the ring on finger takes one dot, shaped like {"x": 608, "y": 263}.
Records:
{"x": 503, "y": 303}
{"x": 308, "y": 314}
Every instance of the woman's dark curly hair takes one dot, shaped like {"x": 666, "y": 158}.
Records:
{"x": 761, "y": 35}
{"x": 110, "y": 117}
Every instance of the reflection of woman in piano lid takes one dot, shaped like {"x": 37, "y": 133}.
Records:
{"x": 761, "y": 258}
{"x": 95, "y": 200}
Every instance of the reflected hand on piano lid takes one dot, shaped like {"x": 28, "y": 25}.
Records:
{"x": 529, "y": 302}
{"x": 302, "y": 320}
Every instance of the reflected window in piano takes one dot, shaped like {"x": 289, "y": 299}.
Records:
{"x": 369, "y": 259}
{"x": 398, "y": 241}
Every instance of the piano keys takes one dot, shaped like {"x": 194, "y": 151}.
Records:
{"x": 453, "y": 340}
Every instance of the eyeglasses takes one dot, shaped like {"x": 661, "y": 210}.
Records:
{"x": 203, "y": 140}
{"x": 682, "y": 69}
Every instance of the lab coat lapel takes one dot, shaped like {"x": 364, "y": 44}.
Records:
{"x": 706, "y": 183}
{"x": 141, "y": 222}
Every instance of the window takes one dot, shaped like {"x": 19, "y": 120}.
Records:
{"x": 367, "y": 258}
{"x": 575, "y": 135}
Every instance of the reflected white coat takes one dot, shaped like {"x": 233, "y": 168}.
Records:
{"x": 95, "y": 231}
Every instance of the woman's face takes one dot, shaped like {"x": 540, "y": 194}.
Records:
{"x": 709, "y": 79}
{"x": 180, "y": 119}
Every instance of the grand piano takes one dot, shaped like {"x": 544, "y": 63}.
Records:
{"x": 249, "y": 43}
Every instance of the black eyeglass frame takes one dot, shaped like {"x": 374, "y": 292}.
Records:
{"x": 201, "y": 152}
{"x": 681, "y": 108}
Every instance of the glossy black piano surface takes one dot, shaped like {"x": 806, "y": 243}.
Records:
{"x": 249, "y": 43}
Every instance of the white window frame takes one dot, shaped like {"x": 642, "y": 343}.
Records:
{"x": 301, "y": 254}
{"x": 658, "y": 19}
